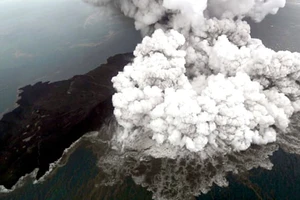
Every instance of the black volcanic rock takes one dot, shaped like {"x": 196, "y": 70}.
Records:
{"x": 51, "y": 116}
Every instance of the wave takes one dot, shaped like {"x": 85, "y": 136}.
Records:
{"x": 31, "y": 177}
{"x": 21, "y": 182}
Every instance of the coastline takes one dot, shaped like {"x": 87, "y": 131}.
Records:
{"x": 29, "y": 133}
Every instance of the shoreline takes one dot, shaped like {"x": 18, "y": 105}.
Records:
{"x": 29, "y": 132}
{"x": 61, "y": 162}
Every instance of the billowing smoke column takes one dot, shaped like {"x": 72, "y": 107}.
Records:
{"x": 200, "y": 99}
{"x": 199, "y": 82}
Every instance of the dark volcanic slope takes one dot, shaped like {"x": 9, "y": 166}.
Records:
{"x": 51, "y": 116}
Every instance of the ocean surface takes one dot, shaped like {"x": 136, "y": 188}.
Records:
{"x": 79, "y": 177}
{"x": 55, "y": 40}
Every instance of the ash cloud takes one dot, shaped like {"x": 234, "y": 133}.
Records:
{"x": 200, "y": 92}
{"x": 199, "y": 83}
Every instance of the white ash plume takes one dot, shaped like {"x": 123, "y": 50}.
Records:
{"x": 185, "y": 13}
{"x": 200, "y": 82}
{"x": 256, "y": 9}
{"x": 216, "y": 113}
{"x": 202, "y": 92}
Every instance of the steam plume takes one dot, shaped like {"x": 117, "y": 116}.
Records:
{"x": 200, "y": 92}
{"x": 199, "y": 82}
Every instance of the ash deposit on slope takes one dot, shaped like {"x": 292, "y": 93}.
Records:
{"x": 201, "y": 89}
